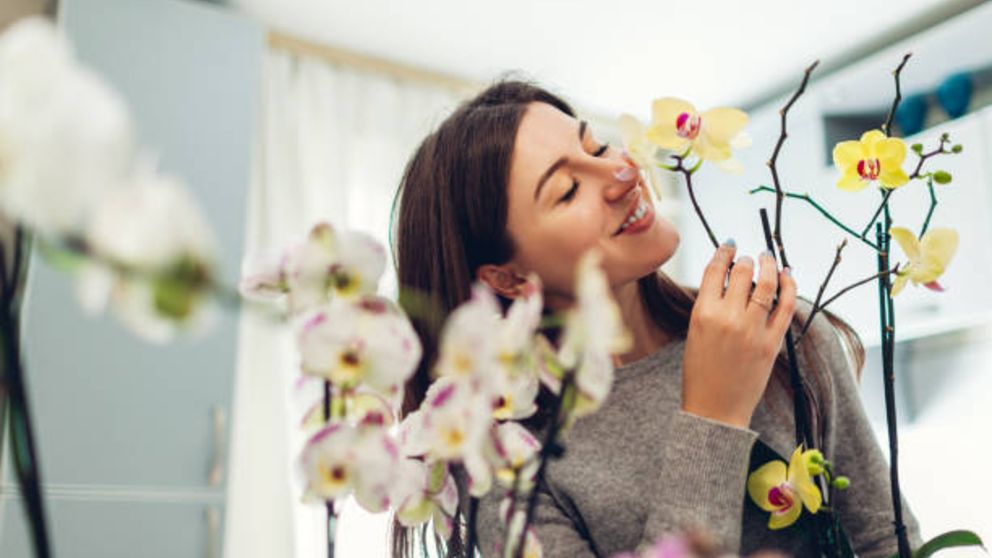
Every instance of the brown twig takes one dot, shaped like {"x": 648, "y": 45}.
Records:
{"x": 772, "y": 164}
{"x": 944, "y": 138}
{"x": 823, "y": 286}
{"x": 887, "y": 126}
{"x": 817, "y": 309}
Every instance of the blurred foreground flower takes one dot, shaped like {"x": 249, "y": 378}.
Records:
{"x": 641, "y": 152}
{"x": 928, "y": 257}
{"x": 874, "y": 157}
{"x": 66, "y": 138}
{"x": 594, "y": 332}
{"x": 154, "y": 258}
{"x": 711, "y": 136}
{"x": 783, "y": 491}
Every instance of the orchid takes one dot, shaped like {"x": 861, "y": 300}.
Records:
{"x": 365, "y": 341}
{"x": 330, "y": 263}
{"x": 341, "y": 459}
{"x": 594, "y": 331}
{"x": 514, "y": 519}
{"x": 784, "y": 491}
{"x": 425, "y": 492}
{"x": 66, "y": 138}
{"x": 154, "y": 258}
{"x": 515, "y": 452}
{"x": 928, "y": 257}
{"x": 711, "y": 136}
{"x": 641, "y": 152}
{"x": 873, "y": 158}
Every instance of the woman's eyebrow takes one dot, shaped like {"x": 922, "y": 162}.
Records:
{"x": 557, "y": 164}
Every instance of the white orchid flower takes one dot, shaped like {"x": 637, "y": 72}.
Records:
{"x": 425, "y": 492}
{"x": 329, "y": 264}
{"x": 163, "y": 257}
{"x": 340, "y": 459}
{"x": 364, "y": 341}
{"x": 594, "y": 331}
{"x": 66, "y": 137}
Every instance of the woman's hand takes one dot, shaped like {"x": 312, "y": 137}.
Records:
{"x": 734, "y": 337}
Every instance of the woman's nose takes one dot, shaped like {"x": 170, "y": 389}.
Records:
{"x": 624, "y": 179}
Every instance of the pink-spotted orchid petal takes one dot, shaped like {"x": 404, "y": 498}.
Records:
{"x": 328, "y": 462}
{"x": 928, "y": 257}
{"x": 468, "y": 347}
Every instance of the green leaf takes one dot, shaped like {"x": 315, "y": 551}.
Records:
{"x": 917, "y": 148}
{"x": 942, "y": 177}
{"x": 950, "y": 539}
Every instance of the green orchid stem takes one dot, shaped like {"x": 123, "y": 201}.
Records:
{"x": 329, "y": 412}
{"x": 887, "y": 321}
{"x": 687, "y": 173}
{"x": 559, "y": 415}
{"x": 882, "y": 206}
{"x": 808, "y": 199}
{"x": 933, "y": 205}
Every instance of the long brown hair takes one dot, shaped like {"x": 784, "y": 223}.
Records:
{"x": 451, "y": 219}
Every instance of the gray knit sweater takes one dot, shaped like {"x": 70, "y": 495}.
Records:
{"x": 641, "y": 467}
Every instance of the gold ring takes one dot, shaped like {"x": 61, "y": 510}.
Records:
{"x": 766, "y": 304}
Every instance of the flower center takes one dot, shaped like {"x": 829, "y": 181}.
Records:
{"x": 335, "y": 477}
{"x": 869, "y": 169}
{"x": 687, "y": 125}
{"x": 781, "y": 497}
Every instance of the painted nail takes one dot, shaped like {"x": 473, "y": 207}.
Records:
{"x": 729, "y": 242}
{"x": 787, "y": 270}
{"x": 745, "y": 260}
{"x": 767, "y": 253}
{"x": 625, "y": 174}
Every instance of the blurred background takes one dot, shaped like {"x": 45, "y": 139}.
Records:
{"x": 280, "y": 113}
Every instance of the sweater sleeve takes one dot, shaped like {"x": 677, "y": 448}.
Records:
{"x": 702, "y": 477}
{"x": 865, "y": 508}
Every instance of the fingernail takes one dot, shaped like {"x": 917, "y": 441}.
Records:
{"x": 767, "y": 253}
{"x": 745, "y": 260}
{"x": 787, "y": 270}
{"x": 625, "y": 174}
{"x": 729, "y": 242}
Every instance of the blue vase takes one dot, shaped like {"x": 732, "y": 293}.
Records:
{"x": 911, "y": 113}
{"x": 954, "y": 94}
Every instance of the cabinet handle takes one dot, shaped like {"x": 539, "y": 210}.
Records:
{"x": 216, "y": 475}
{"x": 213, "y": 532}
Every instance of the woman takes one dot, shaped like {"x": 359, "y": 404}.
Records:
{"x": 512, "y": 183}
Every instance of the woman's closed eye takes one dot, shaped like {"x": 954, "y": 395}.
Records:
{"x": 568, "y": 195}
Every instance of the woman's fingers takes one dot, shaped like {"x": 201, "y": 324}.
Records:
{"x": 716, "y": 271}
{"x": 739, "y": 286}
{"x": 781, "y": 317}
{"x": 763, "y": 297}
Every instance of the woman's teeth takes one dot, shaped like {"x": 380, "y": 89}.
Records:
{"x": 642, "y": 208}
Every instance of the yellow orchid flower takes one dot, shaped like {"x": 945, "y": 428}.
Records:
{"x": 874, "y": 157}
{"x": 712, "y": 135}
{"x": 928, "y": 257}
{"x": 783, "y": 491}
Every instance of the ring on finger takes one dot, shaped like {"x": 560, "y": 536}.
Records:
{"x": 764, "y": 303}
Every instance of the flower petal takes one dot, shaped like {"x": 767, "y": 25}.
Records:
{"x": 802, "y": 482}
{"x": 898, "y": 284}
{"x": 851, "y": 181}
{"x": 892, "y": 177}
{"x": 723, "y": 124}
{"x": 786, "y": 517}
{"x": 939, "y": 246}
{"x": 663, "y": 129}
{"x": 847, "y": 154}
{"x": 761, "y": 481}
{"x": 907, "y": 241}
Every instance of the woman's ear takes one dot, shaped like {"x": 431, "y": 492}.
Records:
{"x": 503, "y": 280}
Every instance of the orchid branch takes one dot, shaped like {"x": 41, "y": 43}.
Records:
{"x": 772, "y": 164}
{"x": 820, "y": 307}
{"x": 826, "y": 280}
{"x": 809, "y": 199}
{"x": 933, "y": 205}
{"x": 687, "y": 173}
{"x": 887, "y": 126}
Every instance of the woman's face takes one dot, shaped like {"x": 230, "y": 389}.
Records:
{"x": 568, "y": 194}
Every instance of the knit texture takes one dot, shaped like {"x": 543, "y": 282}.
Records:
{"x": 641, "y": 468}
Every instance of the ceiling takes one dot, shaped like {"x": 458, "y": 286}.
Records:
{"x": 612, "y": 57}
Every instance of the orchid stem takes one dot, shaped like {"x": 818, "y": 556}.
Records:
{"x": 808, "y": 199}
{"x": 933, "y": 205}
{"x": 687, "y": 173}
{"x": 887, "y": 126}
{"x": 874, "y": 217}
{"x": 818, "y": 308}
{"x": 823, "y": 286}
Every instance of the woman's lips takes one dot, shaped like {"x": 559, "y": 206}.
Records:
{"x": 641, "y": 224}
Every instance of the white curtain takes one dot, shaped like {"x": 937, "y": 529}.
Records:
{"x": 331, "y": 145}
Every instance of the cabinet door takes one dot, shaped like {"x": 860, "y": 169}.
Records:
{"x": 118, "y": 529}
{"x": 110, "y": 408}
